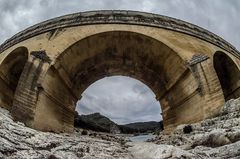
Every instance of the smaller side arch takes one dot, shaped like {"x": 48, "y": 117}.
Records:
{"x": 228, "y": 75}
{"x": 10, "y": 71}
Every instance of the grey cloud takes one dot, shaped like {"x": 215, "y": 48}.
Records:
{"x": 121, "y": 99}
{"x": 84, "y": 108}
{"x": 139, "y": 88}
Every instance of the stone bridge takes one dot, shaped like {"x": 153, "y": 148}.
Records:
{"x": 45, "y": 68}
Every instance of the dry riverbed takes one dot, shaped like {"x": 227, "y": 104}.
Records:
{"x": 213, "y": 138}
{"x": 18, "y": 141}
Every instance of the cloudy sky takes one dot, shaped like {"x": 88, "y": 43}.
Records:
{"x": 124, "y": 99}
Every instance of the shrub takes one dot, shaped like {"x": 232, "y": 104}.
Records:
{"x": 84, "y": 132}
{"x": 187, "y": 129}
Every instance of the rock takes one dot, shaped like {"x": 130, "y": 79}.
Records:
{"x": 227, "y": 151}
{"x": 52, "y": 157}
{"x": 18, "y": 141}
{"x": 215, "y": 138}
{"x": 1, "y": 155}
{"x": 232, "y": 105}
{"x": 234, "y": 136}
{"x": 153, "y": 151}
{"x": 218, "y": 137}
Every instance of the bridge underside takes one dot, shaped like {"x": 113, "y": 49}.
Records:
{"x": 41, "y": 83}
{"x": 117, "y": 53}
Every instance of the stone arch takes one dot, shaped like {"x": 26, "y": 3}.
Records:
{"x": 117, "y": 53}
{"x": 10, "y": 71}
{"x": 45, "y": 98}
{"x": 228, "y": 75}
{"x": 95, "y": 57}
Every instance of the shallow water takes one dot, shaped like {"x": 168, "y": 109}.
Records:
{"x": 141, "y": 137}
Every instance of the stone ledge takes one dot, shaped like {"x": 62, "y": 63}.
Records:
{"x": 119, "y": 17}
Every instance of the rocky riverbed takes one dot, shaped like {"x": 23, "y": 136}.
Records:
{"x": 18, "y": 141}
{"x": 215, "y": 138}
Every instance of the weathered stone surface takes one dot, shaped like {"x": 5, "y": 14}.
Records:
{"x": 231, "y": 106}
{"x": 154, "y": 151}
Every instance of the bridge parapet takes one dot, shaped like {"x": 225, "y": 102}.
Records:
{"x": 120, "y": 17}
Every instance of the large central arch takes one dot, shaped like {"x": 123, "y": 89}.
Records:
{"x": 116, "y": 53}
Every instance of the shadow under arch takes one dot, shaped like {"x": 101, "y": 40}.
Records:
{"x": 228, "y": 75}
{"x": 102, "y": 46}
{"x": 10, "y": 71}
{"x": 116, "y": 53}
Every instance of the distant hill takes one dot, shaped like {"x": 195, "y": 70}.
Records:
{"x": 141, "y": 127}
{"x": 98, "y": 122}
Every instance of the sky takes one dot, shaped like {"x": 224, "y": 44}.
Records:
{"x": 123, "y": 99}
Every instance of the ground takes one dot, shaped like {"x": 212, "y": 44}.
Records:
{"x": 218, "y": 137}
{"x": 18, "y": 141}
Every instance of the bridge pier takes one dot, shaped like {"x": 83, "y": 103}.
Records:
{"x": 209, "y": 85}
{"x": 29, "y": 85}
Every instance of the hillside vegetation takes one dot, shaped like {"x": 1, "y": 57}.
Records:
{"x": 98, "y": 122}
